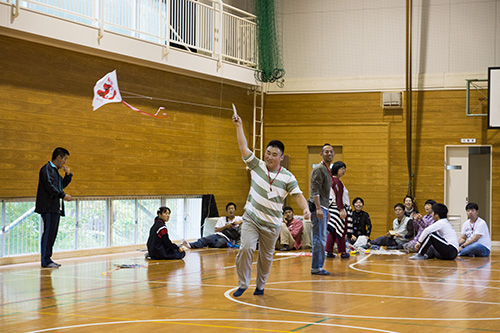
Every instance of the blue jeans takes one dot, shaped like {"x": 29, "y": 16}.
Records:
{"x": 319, "y": 240}
{"x": 475, "y": 250}
{"x": 214, "y": 240}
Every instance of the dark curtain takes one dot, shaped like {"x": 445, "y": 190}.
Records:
{"x": 208, "y": 209}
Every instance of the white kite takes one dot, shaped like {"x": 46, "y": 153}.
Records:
{"x": 106, "y": 91}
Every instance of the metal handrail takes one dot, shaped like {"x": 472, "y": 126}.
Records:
{"x": 205, "y": 28}
{"x": 19, "y": 220}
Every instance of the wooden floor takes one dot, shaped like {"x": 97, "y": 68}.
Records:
{"x": 368, "y": 292}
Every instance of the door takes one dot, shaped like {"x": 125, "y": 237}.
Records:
{"x": 457, "y": 185}
{"x": 467, "y": 179}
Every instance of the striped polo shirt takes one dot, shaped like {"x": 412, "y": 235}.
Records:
{"x": 259, "y": 206}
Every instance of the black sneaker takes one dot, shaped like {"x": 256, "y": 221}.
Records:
{"x": 285, "y": 248}
{"x": 51, "y": 265}
{"x": 258, "y": 291}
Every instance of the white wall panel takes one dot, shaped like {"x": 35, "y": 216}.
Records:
{"x": 472, "y": 37}
{"x": 302, "y": 44}
{"x": 431, "y": 52}
{"x": 342, "y": 54}
{"x": 383, "y": 41}
{"x": 497, "y": 34}
{"x": 361, "y": 43}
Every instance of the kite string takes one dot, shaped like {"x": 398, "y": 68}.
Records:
{"x": 220, "y": 108}
{"x": 134, "y": 95}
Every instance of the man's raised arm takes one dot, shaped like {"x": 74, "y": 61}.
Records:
{"x": 242, "y": 140}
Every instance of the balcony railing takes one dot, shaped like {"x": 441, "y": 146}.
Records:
{"x": 96, "y": 223}
{"x": 205, "y": 27}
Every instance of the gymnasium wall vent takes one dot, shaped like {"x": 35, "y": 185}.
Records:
{"x": 391, "y": 100}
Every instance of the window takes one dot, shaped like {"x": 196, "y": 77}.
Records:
{"x": 96, "y": 223}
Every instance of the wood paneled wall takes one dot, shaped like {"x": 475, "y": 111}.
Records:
{"x": 374, "y": 144}
{"x": 46, "y": 101}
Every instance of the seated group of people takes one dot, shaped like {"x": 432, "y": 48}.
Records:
{"x": 227, "y": 232}
{"x": 406, "y": 227}
{"x": 160, "y": 247}
{"x": 432, "y": 235}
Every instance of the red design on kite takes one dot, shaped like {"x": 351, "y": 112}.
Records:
{"x": 108, "y": 92}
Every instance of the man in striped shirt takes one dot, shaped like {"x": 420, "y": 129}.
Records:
{"x": 270, "y": 185}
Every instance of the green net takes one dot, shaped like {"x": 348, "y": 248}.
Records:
{"x": 270, "y": 64}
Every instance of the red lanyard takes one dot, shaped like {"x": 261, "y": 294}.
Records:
{"x": 271, "y": 181}
{"x": 472, "y": 226}
{"x": 327, "y": 168}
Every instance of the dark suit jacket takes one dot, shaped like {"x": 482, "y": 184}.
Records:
{"x": 50, "y": 190}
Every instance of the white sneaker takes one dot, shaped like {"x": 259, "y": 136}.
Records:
{"x": 186, "y": 244}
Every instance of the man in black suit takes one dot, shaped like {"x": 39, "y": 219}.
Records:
{"x": 50, "y": 201}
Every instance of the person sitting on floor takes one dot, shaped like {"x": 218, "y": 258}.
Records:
{"x": 438, "y": 240}
{"x": 408, "y": 203}
{"x": 159, "y": 245}
{"x": 402, "y": 231}
{"x": 475, "y": 239}
{"x": 227, "y": 230}
{"x": 419, "y": 224}
{"x": 361, "y": 223}
{"x": 291, "y": 231}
